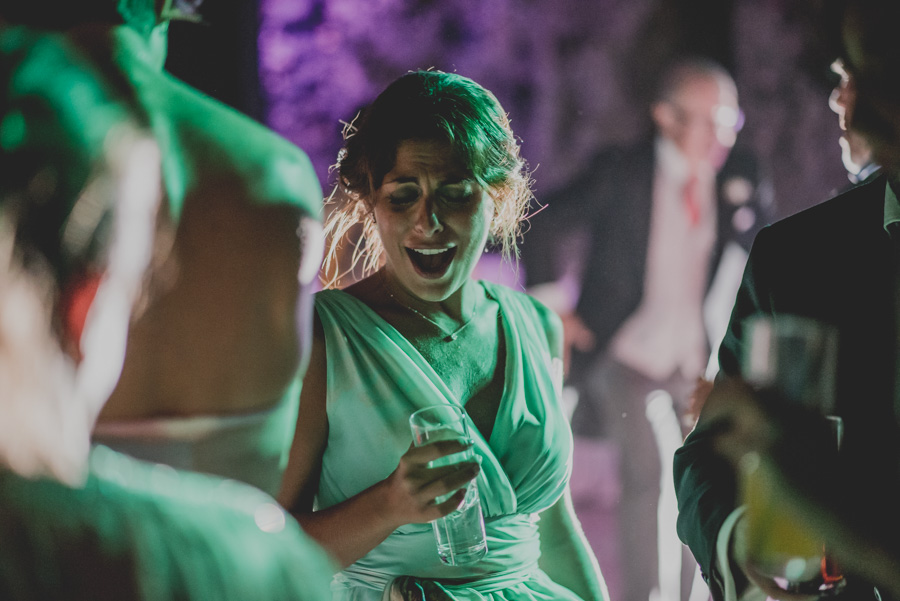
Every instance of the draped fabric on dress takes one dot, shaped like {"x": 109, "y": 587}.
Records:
{"x": 376, "y": 379}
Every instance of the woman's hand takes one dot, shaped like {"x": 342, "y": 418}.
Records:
{"x": 409, "y": 493}
{"x": 355, "y": 526}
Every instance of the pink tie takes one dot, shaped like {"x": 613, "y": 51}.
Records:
{"x": 692, "y": 199}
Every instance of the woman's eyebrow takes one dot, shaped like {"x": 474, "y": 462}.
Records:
{"x": 402, "y": 179}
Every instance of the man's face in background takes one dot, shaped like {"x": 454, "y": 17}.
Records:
{"x": 701, "y": 118}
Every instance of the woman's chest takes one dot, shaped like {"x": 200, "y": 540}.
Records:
{"x": 472, "y": 369}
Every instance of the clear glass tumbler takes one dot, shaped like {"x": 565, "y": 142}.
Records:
{"x": 460, "y": 535}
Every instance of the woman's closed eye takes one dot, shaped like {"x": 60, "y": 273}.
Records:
{"x": 405, "y": 194}
{"x": 459, "y": 192}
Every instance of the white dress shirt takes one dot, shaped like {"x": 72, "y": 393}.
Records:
{"x": 666, "y": 333}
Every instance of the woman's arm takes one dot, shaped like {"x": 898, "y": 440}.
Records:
{"x": 566, "y": 556}
{"x": 354, "y": 527}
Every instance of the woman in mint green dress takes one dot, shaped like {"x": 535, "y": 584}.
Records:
{"x": 431, "y": 171}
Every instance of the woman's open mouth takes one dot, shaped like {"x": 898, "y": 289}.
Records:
{"x": 431, "y": 262}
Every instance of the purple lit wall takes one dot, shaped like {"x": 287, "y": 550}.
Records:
{"x": 573, "y": 74}
{"x": 552, "y": 65}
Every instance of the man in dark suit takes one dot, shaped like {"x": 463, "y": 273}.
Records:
{"x": 664, "y": 220}
{"x": 836, "y": 263}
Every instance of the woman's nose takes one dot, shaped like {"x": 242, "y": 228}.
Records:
{"x": 427, "y": 222}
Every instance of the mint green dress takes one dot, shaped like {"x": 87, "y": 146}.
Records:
{"x": 375, "y": 380}
{"x": 136, "y": 531}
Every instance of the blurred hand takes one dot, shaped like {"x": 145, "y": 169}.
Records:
{"x": 576, "y": 335}
{"x": 412, "y": 488}
{"x": 747, "y": 427}
{"x": 758, "y": 432}
{"x": 740, "y": 555}
{"x": 702, "y": 388}
{"x": 740, "y": 423}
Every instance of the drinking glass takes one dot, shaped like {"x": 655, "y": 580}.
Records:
{"x": 795, "y": 358}
{"x": 460, "y": 535}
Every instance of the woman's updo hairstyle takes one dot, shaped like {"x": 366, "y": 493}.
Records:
{"x": 425, "y": 105}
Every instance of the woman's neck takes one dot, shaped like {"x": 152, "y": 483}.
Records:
{"x": 459, "y": 306}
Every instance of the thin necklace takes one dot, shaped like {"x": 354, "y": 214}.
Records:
{"x": 448, "y": 336}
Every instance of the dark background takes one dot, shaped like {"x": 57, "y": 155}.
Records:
{"x": 219, "y": 55}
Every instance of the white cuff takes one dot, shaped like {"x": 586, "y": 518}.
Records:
{"x": 723, "y": 562}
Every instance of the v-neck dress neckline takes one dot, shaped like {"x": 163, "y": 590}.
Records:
{"x": 410, "y": 349}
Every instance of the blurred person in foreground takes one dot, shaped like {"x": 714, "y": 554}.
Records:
{"x": 837, "y": 263}
{"x": 212, "y": 372}
{"x": 79, "y": 192}
{"x": 431, "y": 171}
{"x": 669, "y": 220}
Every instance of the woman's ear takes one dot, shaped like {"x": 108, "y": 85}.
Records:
{"x": 75, "y": 302}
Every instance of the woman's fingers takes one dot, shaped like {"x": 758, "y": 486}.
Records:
{"x": 451, "y": 478}
{"x": 454, "y": 482}
{"x": 450, "y": 505}
{"x": 417, "y": 482}
{"x": 434, "y": 450}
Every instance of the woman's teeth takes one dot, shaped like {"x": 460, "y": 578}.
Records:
{"x": 431, "y": 261}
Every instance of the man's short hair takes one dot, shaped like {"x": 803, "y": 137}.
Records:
{"x": 686, "y": 68}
